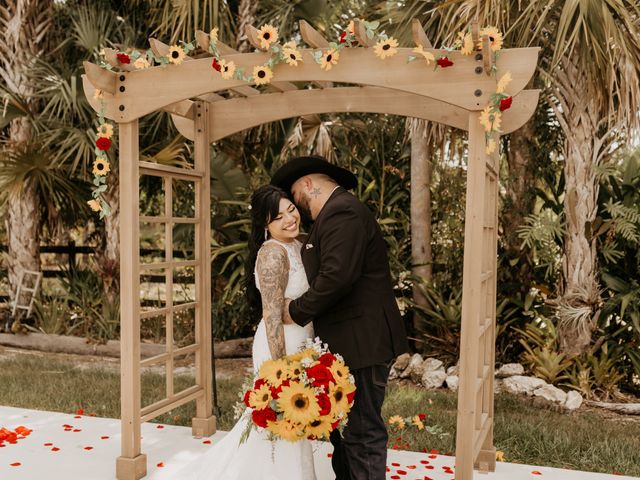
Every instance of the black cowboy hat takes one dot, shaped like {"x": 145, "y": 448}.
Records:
{"x": 298, "y": 167}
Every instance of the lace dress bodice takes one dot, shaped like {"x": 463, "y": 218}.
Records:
{"x": 298, "y": 283}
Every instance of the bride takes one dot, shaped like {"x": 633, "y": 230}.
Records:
{"x": 274, "y": 272}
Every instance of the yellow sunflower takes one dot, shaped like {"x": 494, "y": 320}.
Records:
{"x": 489, "y": 119}
{"x": 491, "y": 146}
{"x": 141, "y": 63}
{"x": 267, "y": 35}
{"x": 294, "y": 369}
{"x": 338, "y": 394}
{"x": 340, "y": 372}
{"x": 262, "y": 75}
{"x": 261, "y": 397}
{"x": 101, "y": 167}
{"x": 291, "y": 56}
{"x": 386, "y": 48}
{"x": 273, "y": 371}
{"x": 466, "y": 40}
{"x": 286, "y": 429}
{"x": 329, "y": 59}
{"x": 213, "y": 35}
{"x": 298, "y": 403}
{"x": 290, "y": 45}
{"x": 105, "y": 130}
{"x": 503, "y": 82}
{"x": 308, "y": 353}
{"x": 227, "y": 69}
{"x": 176, "y": 54}
{"x": 428, "y": 56}
{"x": 495, "y": 38}
{"x": 397, "y": 420}
{"x": 319, "y": 428}
{"x": 417, "y": 422}
{"x": 95, "y": 205}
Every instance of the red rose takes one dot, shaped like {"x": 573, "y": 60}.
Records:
{"x": 444, "y": 62}
{"x": 259, "y": 383}
{"x": 103, "y": 143}
{"x": 275, "y": 392}
{"x": 343, "y": 37}
{"x": 350, "y": 397}
{"x": 216, "y": 65}
{"x": 327, "y": 359}
{"x": 505, "y": 103}
{"x": 335, "y": 424}
{"x": 324, "y": 403}
{"x": 123, "y": 58}
{"x": 261, "y": 417}
{"x": 246, "y": 398}
{"x": 320, "y": 376}
{"x": 422, "y": 416}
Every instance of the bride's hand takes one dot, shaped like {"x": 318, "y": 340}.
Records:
{"x": 286, "y": 317}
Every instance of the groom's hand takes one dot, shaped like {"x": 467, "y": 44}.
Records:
{"x": 286, "y": 317}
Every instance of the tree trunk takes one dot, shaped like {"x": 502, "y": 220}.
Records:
{"x": 579, "y": 304}
{"x": 519, "y": 201}
{"x": 421, "y": 169}
{"x": 246, "y": 16}
{"x": 109, "y": 259}
{"x": 27, "y": 22}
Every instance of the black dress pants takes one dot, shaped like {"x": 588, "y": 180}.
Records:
{"x": 361, "y": 453}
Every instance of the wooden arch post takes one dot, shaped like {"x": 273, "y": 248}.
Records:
{"x": 189, "y": 92}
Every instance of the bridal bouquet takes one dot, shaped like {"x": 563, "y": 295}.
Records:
{"x": 304, "y": 395}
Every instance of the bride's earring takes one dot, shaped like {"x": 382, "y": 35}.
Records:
{"x": 266, "y": 234}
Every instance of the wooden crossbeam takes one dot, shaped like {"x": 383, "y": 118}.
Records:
{"x": 162, "y": 49}
{"x": 361, "y": 34}
{"x": 100, "y": 78}
{"x": 237, "y": 114}
{"x": 311, "y": 36}
{"x": 419, "y": 35}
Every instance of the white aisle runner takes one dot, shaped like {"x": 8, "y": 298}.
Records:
{"x": 71, "y": 447}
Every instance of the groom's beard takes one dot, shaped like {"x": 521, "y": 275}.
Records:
{"x": 304, "y": 208}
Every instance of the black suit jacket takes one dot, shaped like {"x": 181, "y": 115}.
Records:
{"x": 350, "y": 299}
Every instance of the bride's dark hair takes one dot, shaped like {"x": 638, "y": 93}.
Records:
{"x": 265, "y": 205}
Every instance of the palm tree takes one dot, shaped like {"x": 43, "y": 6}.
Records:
{"x": 25, "y": 23}
{"x": 590, "y": 66}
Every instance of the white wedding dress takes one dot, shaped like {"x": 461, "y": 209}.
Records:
{"x": 258, "y": 458}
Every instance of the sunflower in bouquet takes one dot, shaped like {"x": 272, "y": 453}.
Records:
{"x": 304, "y": 395}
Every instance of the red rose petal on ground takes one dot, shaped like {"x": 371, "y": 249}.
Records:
{"x": 388, "y": 469}
{"x": 401, "y": 472}
{"x": 329, "y": 455}
{"x": 67, "y": 426}
{"x": 536, "y": 472}
{"x": 48, "y": 444}
{"x": 92, "y": 414}
{"x": 77, "y": 429}
{"x": 207, "y": 442}
{"x": 394, "y": 464}
{"x": 78, "y": 416}
{"x": 395, "y": 477}
{"x": 160, "y": 426}
{"x": 88, "y": 448}
{"x": 55, "y": 449}
{"x": 430, "y": 467}
{"x": 160, "y": 465}
{"x": 104, "y": 437}
{"x": 433, "y": 456}
{"x": 411, "y": 467}
{"x": 15, "y": 464}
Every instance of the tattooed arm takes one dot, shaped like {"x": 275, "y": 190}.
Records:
{"x": 272, "y": 268}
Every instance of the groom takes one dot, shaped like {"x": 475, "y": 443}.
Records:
{"x": 350, "y": 301}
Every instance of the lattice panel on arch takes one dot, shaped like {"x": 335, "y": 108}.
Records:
{"x": 179, "y": 299}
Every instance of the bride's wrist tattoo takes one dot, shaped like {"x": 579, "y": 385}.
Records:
{"x": 273, "y": 273}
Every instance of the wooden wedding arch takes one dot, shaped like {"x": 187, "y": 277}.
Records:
{"x": 194, "y": 94}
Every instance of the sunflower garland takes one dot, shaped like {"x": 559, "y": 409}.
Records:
{"x": 290, "y": 54}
